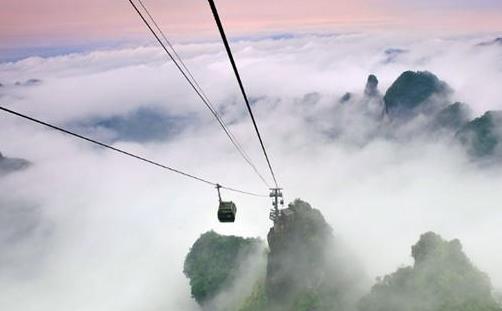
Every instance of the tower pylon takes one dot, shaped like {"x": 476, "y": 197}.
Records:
{"x": 275, "y": 194}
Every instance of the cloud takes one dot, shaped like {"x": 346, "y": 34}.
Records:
{"x": 103, "y": 232}
{"x": 144, "y": 124}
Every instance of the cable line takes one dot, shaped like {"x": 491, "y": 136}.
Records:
{"x": 193, "y": 83}
{"x": 230, "y": 56}
{"x": 174, "y": 50}
{"x": 206, "y": 100}
{"x": 126, "y": 152}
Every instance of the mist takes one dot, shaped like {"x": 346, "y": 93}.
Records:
{"x": 86, "y": 229}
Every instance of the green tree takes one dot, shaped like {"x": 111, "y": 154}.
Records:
{"x": 213, "y": 261}
{"x": 442, "y": 279}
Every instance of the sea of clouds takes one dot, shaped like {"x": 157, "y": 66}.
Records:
{"x": 87, "y": 229}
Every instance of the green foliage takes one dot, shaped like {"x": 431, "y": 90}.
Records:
{"x": 297, "y": 244}
{"x": 212, "y": 263}
{"x": 442, "y": 279}
{"x": 257, "y": 301}
{"x": 306, "y": 301}
{"x": 303, "y": 271}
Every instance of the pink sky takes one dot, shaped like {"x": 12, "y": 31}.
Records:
{"x": 36, "y": 22}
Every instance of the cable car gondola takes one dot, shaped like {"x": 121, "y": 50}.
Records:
{"x": 226, "y": 209}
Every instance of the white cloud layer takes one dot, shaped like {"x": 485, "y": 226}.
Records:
{"x": 110, "y": 233}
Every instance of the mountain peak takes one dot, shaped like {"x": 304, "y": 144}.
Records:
{"x": 483, "y": 136}
{"x": 415, "y": 92}
{"x": 442, "y": 278}
{"x": 371, "y": 86}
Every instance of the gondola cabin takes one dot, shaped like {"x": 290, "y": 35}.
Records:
{"x": 227, "y": 212}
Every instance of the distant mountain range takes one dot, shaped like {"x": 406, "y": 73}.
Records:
{"x": 9, "y": 165}
{"x": 422, "y": 101}
{"x": 422, "y": 93}
{"x": 144, "y": 124}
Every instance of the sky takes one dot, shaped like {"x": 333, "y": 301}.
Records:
{"x": 31, "y": 23}
{"x": 82, "y": 226}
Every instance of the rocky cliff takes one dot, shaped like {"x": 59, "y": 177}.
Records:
{"x": 304, "y": 271}
{"x": 415, "y": 92}
{"x": 306, "y": 267}
{"x": 215, "y": 262}
{"x": 442, "y": 279}
{"x": 308, "y": 270}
